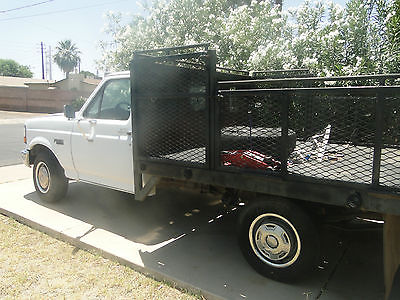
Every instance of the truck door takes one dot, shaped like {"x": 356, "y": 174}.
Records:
{"x": 102, "y": 138}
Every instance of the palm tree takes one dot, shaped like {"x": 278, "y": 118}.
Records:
{"x": 67, "y": 56}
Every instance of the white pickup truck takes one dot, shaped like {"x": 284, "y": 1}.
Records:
{"x": 66, "y": 146}
{"x": 252, "y": 140}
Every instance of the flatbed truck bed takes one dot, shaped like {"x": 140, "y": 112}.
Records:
{"x": 345, "y": 153}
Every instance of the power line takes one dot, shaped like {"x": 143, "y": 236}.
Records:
{"x": 62, "y": 11}
{"x": 81, "y": 41}
{"x": 26, "y": 6}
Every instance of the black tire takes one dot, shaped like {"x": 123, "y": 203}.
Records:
{"x": 260, "y": 139}
{"x": 278, "y": 239}
{"x": 49, "y": 178}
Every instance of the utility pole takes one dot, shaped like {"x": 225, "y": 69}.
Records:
{"x": 46, "y": 65}
{"x": 41, "y": 47}
{"x": 50, "y": 73}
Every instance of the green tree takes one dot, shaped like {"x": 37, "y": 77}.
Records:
{"x": 67, "y": 56}
{"x": 9, "y": 67}
{"x": 88, "y": 74}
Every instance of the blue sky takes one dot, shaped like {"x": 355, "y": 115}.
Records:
{"x": 81, "y": 21}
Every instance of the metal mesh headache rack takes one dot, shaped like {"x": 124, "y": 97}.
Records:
{"x": 172, "y": 93}
{"x": 284, "y": 136}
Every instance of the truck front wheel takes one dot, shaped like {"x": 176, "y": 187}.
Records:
{"x": 48, "y": 178}
{"x": 278, "y": 239}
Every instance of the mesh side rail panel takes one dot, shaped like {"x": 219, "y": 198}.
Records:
{"x": 335, "y": 136}
{"x": 390, "y": 157}
{"x": 250, "y": 127}
{"x": 331, "y": 134}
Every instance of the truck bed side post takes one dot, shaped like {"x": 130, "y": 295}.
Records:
{"x": 379, "y": 108}
{"x": 212, "y": 151}
{"x": 285, "y": 100}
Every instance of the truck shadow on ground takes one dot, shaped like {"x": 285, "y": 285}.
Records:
{"x": 193, "y": 241}
{"x": 168, "y": 214}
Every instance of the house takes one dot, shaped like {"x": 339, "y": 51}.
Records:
{"x": 7, "y": 81}
{"x": 77, "y": 82}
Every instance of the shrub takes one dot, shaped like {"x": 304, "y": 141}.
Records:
{"x": 78, "y": 103}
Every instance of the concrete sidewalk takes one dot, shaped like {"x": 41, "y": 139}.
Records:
{"x": 189, "y": 240}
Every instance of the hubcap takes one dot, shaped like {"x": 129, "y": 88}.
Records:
{"x": 274, "y": 240}
{"x": 42, "y": 177}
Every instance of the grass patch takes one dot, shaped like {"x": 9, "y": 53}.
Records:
{"x": 36, "y": 266}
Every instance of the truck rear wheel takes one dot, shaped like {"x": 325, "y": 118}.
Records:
{"x": 278, "y": 239}
{"x": 48, "y": 178}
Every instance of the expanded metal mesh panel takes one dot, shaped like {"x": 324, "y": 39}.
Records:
{"x": 319, "y": 128}
{"x": 161, "y": 78}
{"x": 390, "y": 157}
{"x": 331, "y": 133}
{"x": 335, "y": 136}
{"x": 250, "y": 132}
{"x": 173, "y": 116}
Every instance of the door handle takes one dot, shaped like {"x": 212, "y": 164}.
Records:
{"x": 92, "y": 123}
{"x": 89, "y": 137}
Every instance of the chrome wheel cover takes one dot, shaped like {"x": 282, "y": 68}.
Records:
{"x": 274, "y": 240}
{"x": 42, "y": 177}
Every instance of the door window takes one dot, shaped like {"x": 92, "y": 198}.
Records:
{"x": 113, "y": 102}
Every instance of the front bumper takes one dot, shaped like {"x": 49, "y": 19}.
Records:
{"x": 25, "y": 157}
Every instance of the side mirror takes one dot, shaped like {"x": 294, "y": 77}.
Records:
{"x": 69, "y": 111}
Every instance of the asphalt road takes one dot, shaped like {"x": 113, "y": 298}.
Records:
{"x": 12, "y": 135}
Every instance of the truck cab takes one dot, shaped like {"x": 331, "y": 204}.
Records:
{"x": 93, "y": 145}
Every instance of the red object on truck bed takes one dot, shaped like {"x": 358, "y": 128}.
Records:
{"x": 249, "y": 159}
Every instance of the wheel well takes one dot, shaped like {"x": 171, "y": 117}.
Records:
{"x": 39, "y": 149}
{"x": 319, "y": 212}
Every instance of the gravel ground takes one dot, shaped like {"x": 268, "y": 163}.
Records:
{"x": 34, "y": 265}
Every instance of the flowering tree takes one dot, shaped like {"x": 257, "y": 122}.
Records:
{"x": 328, "y": 39}
{"x": 393, "y": 34}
